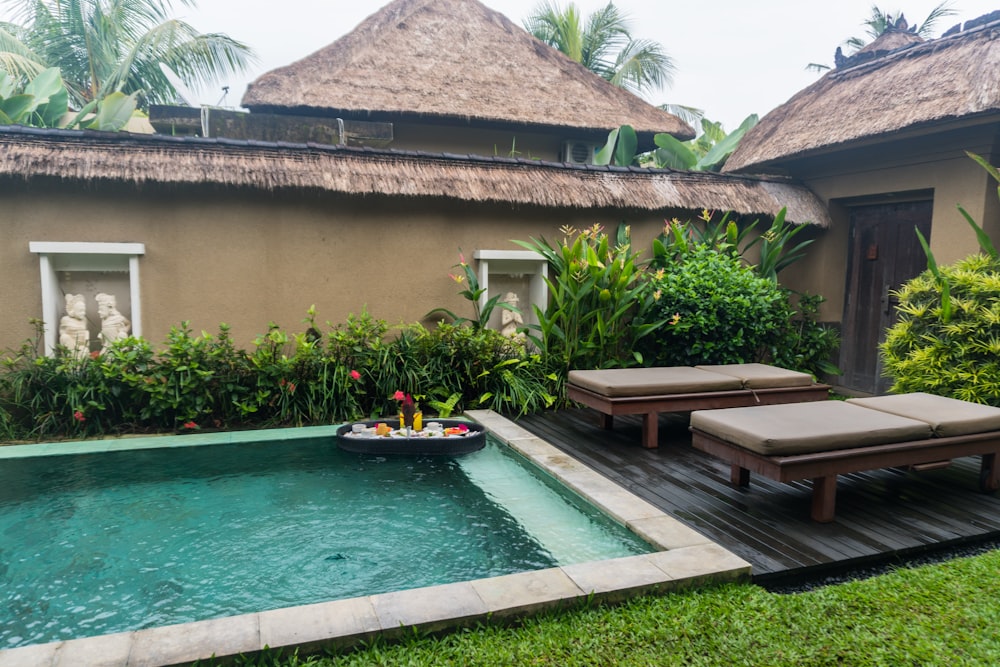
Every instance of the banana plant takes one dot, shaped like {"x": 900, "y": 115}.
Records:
{"x": 44, "y": 102}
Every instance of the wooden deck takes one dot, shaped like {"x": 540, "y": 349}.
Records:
{"x": 882, "y": 516}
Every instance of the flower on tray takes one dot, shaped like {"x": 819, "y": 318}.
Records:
{"x": 407, "y": 407}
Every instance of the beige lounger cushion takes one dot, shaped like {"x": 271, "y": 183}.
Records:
{"x": 622, "y": 382}
{"x": 799, "y": 428}
{"x": 762, "y": 376}
{"x": 947, "y": 416}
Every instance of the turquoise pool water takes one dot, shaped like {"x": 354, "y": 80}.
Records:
{"x": 105, "y": 542}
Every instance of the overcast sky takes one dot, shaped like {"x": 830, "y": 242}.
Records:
{"x": 733, "y": 57}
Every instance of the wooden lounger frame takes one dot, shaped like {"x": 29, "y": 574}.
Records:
{"x": 823, "y": 467}
{"x": 650, "y": 406}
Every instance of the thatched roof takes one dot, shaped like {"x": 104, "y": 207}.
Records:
{"x": 881, "y": 93}
{"x": 142, "y": 160}
{"x": 459, "y": 61}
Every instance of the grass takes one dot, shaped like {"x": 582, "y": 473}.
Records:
{"x": 941, "y": 614}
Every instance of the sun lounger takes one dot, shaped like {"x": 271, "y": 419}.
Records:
{"x": 818, "y": 441}
{"x": 650, "y": 391}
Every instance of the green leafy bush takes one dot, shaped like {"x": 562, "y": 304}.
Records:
{"x": 958, "y": 356}
{"x": 718, "y": 311}
{"x": 201, "y": 381}
{"x": 946, "y": 340}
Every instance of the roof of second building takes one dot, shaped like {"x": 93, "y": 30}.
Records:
{"x": 457, "y": 60}
{"x": 894, "y": 84}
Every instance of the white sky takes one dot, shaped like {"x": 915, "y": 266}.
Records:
{"x": 734, "y": 57}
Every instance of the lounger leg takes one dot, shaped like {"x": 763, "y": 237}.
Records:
{"x": 650, "y": 430}
{"x": 989, "y": 476}
{"x": 607, "y": 421}
{"x": 739, "y": 477}
{"x": 824, "y": 498}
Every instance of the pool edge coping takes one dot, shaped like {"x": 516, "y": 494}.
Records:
{"x": 685, "y": 558}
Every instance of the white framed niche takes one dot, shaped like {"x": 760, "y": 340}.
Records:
{"x": 88, "y": 268}
{"x": 520, "y": 271}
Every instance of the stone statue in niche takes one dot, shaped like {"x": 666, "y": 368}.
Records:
{"x": 73, "y": 332}
{"x": 510, "y": 320}
{"x": 114, "y": 325}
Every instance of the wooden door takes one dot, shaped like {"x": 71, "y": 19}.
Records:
{"x": 884, "y": 253}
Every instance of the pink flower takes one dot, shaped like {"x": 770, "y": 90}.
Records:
{"x": 79, "y": 416}
{"x": 398, "y": 396}
{"x": 457, "y": 278}
{"x": 355, "y": 375}
{"x": 461, "y": 259}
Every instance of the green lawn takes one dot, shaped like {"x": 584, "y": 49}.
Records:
{"x": 942, "y": 614}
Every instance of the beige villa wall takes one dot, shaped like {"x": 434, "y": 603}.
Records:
{"x": 246, "y": 259}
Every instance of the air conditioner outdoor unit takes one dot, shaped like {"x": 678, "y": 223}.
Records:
{"x": 579, "y": 152}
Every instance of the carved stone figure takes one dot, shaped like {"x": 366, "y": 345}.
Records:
{"x": 73, "y": 332}
{"x": 114, "y": 325}
{"x": 510, "y": 320}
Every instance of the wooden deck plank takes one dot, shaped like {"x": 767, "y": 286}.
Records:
{"x": 881, "y": 514}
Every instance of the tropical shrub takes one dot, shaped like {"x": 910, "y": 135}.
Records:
{"x": 198, "y": 381}
{"x": 600, "y": 306}
{"x": 718, "y": 311}
{"x": 946, "y": 339}
{"x": 958, "y": 356}
{"x": 803, "y": 343}
{"x": 774, "y": 249}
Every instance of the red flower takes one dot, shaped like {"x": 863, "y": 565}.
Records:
{"x": 95, "y": 354}
{"x": 79, "y": 416}
{"x": 291, "y": 387}
{"x": 399, "y": 396}
{"x": 190, "y": 425}
{"x": 355, "y": 375}
{"x": 282, "y": 382}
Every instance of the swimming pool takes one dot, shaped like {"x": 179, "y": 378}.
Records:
{"x": 110, "y": 541}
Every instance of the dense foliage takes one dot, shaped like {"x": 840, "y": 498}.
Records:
{"x": 600, "y": 303}
{"x": 958, "y": 357}
{"x": 199, "y": 381}
{"x": 946, "y": 340}
{"x": 719, "y": 311}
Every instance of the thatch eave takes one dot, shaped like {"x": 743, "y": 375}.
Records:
{"x": 917, "y": 88}
{"x": 142, "y": 160}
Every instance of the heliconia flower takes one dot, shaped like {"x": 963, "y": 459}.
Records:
{"x": 457, "y": 278}
{"x": 675, "y": 319}
{"x": 79, "y": 416}
{"x": 461, "y": 258}
{"x": 355, "y": 375}
{"x": 291, "y": 387}
{"x": 190, "y": 425}
{"x": 398, "y": 396}
{"x": 282, "y": 382}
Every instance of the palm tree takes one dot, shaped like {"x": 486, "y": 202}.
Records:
{"x": 103, "y": 46}
{"x": 604, "y": 45}
{"x": 879, "y": 22}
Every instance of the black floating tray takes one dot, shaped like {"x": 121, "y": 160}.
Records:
{"x": 474, "y": 440}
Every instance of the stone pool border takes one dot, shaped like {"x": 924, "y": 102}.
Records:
{"x": 685, "y": 559}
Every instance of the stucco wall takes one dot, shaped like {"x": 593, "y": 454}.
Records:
{"x": 247, "y": 259}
